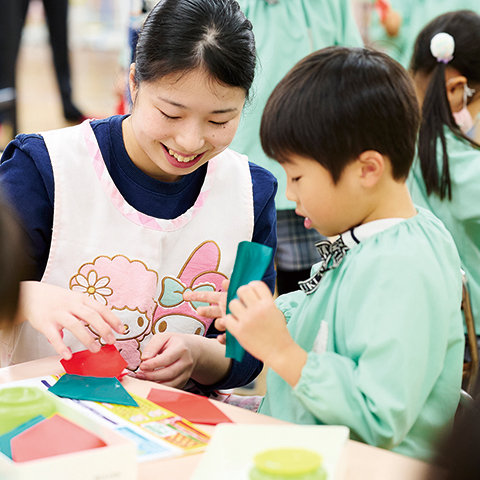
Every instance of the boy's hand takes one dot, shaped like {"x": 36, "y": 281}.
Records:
{"x": 50, "y": 309}
{"x": 260, "y": 327}
{"x": 256, "y": 322}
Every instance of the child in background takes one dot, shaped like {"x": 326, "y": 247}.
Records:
{"x": 373, "y": 340}
{"x": 393, "y": 30}
{"x": 445, "y": 177}
{"x": 285, "y": 32}
{"x": 146, "y": 206}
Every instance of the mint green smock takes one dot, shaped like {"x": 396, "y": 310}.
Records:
{"x": 416, "y": 14}
{"x": 394, "y": 353}
{"x": 461, "y": 215}
{"x": 285, "y": 33}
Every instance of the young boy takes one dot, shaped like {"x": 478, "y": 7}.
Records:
{"x": 374, "y": 339}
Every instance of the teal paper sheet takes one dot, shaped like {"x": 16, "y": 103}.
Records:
{"x": 96, "y": 389}
{"x": 251, "y": 263}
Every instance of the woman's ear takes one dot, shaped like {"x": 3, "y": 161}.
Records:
{"x": 455, "y": 87}
{"x": 371, "y": 167}
{"x": 132, "y": 84}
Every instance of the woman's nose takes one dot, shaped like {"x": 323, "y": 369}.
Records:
{"x": 190, "y": 139}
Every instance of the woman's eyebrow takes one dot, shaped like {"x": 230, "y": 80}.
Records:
{"x": 179, "y": 105}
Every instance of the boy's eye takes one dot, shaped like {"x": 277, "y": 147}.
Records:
{"x": 296, "y": 179}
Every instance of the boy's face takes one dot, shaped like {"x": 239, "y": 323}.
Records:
{"x": 329, "y": 208}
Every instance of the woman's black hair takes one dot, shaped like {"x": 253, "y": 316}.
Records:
{"x": 13, "y": 263}
{"x": 339, "y": 102}
{"x": 464, "y": 27}
{"x": 181, "y": 35}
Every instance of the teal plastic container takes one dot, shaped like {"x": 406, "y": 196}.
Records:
{"x": 20, "y": 404}
{"x": 288, "y": 464}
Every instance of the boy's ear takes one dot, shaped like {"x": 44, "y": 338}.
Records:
{"x": 131, "y": 83}
{"x": 371, "y": 166}
{"x": 455, "y": 87}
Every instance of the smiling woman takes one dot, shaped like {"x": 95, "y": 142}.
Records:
{"x": 190, "y": 121}
{"x": 127, "y": 213}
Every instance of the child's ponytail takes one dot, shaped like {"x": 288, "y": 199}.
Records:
{"x": 435, "y": 114}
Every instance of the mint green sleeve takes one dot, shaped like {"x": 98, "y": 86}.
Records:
{"x": 289, "y": 302}
{"x": 465, "y": 177}
{"x": 391, "y": 348}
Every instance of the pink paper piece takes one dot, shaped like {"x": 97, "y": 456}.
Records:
{"x": 54, "y": 436}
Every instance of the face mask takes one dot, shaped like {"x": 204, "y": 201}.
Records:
{"x": 463, "y": 118}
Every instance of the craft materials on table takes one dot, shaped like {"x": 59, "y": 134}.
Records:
{"x": 95, "y": 391}
{"x": 251, "y": 263}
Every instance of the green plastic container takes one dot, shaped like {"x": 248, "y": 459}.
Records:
{"x": 20, "y": 404}
{"x": 288, "y": 464}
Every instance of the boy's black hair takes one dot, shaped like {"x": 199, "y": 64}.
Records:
{"x": 181, "y": 35}
{"x": 339, "y": 102}
{"x": 464, "y": 27}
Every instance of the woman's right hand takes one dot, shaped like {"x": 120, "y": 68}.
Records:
{"x": 50, "y": 309}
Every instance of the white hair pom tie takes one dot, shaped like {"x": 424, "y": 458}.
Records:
{"x": 442, "y": 47}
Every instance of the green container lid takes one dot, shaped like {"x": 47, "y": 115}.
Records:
{"x": 20, "y": 404}
{"x": 290, "y": 463}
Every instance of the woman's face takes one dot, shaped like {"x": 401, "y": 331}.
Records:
{"x": 180, "y": 122}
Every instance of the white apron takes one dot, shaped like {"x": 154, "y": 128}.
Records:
{"x": 137, "y": 265}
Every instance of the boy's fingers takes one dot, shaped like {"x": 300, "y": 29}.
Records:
{"x": 261, "y": 288}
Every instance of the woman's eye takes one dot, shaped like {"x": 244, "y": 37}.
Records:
{"x": 218, "y": 123}
{"x": 168, "y": 116}
{"x": 296, "y": 179}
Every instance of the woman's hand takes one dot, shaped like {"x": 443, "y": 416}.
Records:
{"x": 217, "y": 308}
{"x": 173, "y": 358}
{"x": 217, "y": 301}
{"x": 50, "y": 309}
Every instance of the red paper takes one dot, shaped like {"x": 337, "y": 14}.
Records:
{"x": 194, "y": 408}
{"x": 106, "y": 363}
{"x": 54, "y": 436}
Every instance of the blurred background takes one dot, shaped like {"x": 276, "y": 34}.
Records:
{"x": 98, "y": 44}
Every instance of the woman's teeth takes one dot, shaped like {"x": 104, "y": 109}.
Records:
{"x": 180, "y": 158}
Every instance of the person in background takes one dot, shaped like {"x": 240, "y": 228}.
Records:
{"x": 445, "y": 177}
{"x": 286, "y": 31}
{"x": 126, "y": 213}
{"x": 394, "y": 28}
{"x": 12, "y": 22}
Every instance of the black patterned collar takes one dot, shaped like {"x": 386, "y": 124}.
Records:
{"x": 333, "y": 252}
